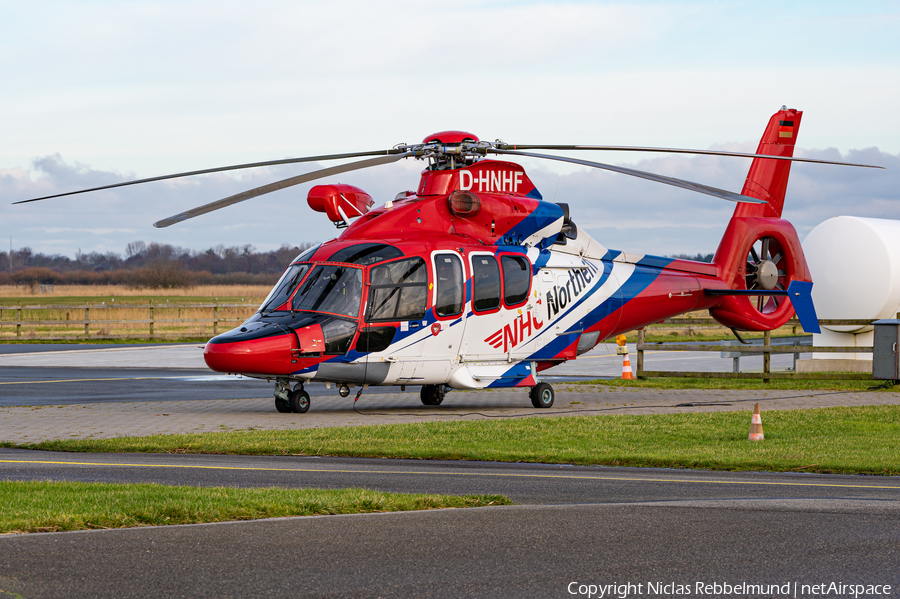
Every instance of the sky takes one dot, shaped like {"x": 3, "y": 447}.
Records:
{"x": 96, "y": 92}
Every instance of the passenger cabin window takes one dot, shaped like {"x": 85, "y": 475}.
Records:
{"x": 448, "y": 274}
{"x": 486, "y": 287}
{"x": 398, "y": 290}
{"x": 516, "y": 279}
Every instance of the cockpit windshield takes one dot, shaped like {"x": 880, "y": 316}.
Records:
{"x": 283, "y": 288}
{"x": 332, "y": 289}
{"x": 288, "y": 281}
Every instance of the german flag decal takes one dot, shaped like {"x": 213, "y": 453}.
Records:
{"x": 785, "y": 128}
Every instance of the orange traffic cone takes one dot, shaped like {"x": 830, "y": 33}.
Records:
{"x": 627, "y": 373}
{"x": 756, "y": 430}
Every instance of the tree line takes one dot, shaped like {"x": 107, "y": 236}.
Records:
{"x": 152, "y": 265}
{"x": 159, "y": 265}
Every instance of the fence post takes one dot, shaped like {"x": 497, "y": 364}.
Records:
{"x": 151, "y": 318}
{"x": 18, "y": 322}
{"x": 215, "y": 317}
{"x": 767, "y": 355}
{"x": 640, "y": 353}
{"x": 87, "y": 321}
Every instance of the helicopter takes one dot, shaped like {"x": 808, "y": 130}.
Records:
{"x": 473, "y": 281}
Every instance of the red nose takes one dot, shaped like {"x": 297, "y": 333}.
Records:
{"x": 267, "y": 355}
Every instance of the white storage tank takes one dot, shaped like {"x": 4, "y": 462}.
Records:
{"x": 855, "y": 267}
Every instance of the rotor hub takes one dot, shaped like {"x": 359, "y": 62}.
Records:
{"x": 767, "y": 275}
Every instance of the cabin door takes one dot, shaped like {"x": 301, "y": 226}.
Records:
{"x": 440, "y": 349}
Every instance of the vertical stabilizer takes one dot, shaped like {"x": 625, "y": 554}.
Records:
{"x": 768, "y": 179}
{"x": 758, "y": 241}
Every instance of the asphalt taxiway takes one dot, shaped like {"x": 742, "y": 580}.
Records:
{"x": 582, "y": 525}
{"x": 590, "y": 526}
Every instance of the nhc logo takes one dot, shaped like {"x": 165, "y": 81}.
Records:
{"x": 514, "y": 333}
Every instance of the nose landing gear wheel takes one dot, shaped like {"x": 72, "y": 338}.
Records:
{"x": 542, "y": 395}
{"x": 298, "y": 400}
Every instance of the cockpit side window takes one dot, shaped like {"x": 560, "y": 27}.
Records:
{"x": 398, "y": 290}
{"x": 332, "y": 289}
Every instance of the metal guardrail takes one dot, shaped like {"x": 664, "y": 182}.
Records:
{"x": 90, "y": 319}
{"x": 790, "y": 342}
{"x": 735, "y": 350}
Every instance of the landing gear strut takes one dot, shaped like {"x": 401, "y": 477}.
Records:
{"x": 296, "y": 401}
{"x": 542, "y": 395}
{"x": 433, "y": 395}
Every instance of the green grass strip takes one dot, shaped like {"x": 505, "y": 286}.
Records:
{"x": 738, "y": 384}
{"x": 56, "y": 506}
{"x": 829, "y": 440}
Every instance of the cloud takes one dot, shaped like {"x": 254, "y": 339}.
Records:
{"x": 630, "y": 214}
{"x": 619, "y": 211}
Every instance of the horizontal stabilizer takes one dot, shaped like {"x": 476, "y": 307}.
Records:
{"x": 798, "y": 292}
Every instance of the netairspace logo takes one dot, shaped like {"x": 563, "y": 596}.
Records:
{"x": 724, "y": 589}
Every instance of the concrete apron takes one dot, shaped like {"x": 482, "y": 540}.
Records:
{"x": 105, "y": 420}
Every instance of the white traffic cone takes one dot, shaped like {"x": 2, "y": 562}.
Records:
{"x": 627, "y": 373}
{"x": 756, "y": 430}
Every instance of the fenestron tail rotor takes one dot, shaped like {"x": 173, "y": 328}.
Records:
{"x": 766, "y": 271}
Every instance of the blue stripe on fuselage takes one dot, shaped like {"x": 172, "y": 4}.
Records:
{"x": 639, "y": 280}
{"x": 544, "y": 214}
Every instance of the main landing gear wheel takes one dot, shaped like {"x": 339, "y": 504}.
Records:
{"x": 542, "y": 395}
{"x": 298, "y": 400}
{"x": 282, "y": 405}
{"x": 432, "y": 395}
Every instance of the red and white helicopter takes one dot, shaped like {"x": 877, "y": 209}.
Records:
{"x": 473, "y": 281}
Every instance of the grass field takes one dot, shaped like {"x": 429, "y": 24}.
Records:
{"x": 823, "y": 384}
{"x": 56, "y": 506}
{"x": 119, "y": 313}
{"x": 94, "y": 294}
{"x": 850, "y": 440}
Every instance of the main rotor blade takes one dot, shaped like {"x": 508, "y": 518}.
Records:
{"x": 220, "y": 169}
{"x": 284, "y": 183}
{"x": 698, "y": 187}
{"x": 676, "y": 151}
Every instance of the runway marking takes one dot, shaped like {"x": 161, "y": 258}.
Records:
{"x": 124, "y": 378}
{"x": 190, "y": 379}
{"x": 497, "y": 474}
